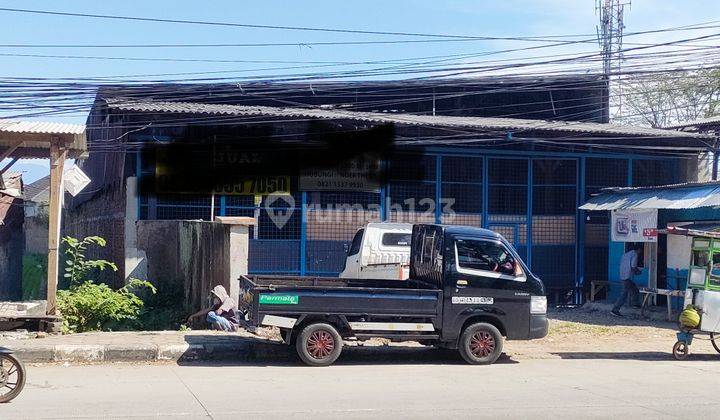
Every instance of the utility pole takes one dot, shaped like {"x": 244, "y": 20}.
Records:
{"x": 610, "y": 32}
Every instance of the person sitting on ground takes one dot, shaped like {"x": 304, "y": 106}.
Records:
{"x": 222, "y": 315}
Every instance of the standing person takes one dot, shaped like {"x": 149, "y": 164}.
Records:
{"x": 628, "y": 269}
{"x": 222, "y": 314}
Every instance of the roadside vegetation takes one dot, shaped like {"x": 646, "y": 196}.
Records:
{"x": 86, "y": 305}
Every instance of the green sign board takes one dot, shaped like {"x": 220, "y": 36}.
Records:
{"x": 279, "y": 299}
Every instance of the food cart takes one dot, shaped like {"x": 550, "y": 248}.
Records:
{"x": 702, "y": 291}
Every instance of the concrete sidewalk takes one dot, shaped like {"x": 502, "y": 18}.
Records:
{"x": 581, "y": 333}
{"x": 143, "y": 346}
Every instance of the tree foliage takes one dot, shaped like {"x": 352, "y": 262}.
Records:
{"x": 664, "y": 99}
{"x": 78, "y": 267}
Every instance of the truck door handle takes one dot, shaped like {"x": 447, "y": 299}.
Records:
{"x": 461, "y": 284}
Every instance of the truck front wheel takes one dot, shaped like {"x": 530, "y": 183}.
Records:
{"x": 319, "y": 344}
{"x": 481, "y": 344}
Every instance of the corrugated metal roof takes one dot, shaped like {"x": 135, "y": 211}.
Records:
{"x": 40, "y": 127}
{"x": 502, "y": 124}
{"x": 35, "y": 137}
{"x": 40, "y": 187}
{"x": 678, "y": 196}
{"x": 698, "y": 123}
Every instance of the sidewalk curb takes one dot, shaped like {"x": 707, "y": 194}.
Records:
{"x": 241, "y": 352}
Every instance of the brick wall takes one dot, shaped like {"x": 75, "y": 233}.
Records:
{"x": 104, "y": 216}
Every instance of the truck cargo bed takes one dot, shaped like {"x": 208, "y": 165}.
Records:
{"x": 289, "y": 295}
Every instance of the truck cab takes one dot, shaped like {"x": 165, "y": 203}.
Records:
{"x": 379, "y": 251}
{"x": 482, "y": 277}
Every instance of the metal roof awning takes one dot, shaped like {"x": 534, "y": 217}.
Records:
{"x": 679, "y": 196}
{"x": 707, "y": 231}
{"x": 31, "y": 139}
{"x": 58, "y": 142}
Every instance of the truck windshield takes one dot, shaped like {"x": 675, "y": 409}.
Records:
{"x": 396, "y": 239}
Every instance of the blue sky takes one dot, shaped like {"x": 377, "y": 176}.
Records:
{"x": 478, "y": 18}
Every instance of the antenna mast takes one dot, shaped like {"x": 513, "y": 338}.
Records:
{"x": 610, "y": 33}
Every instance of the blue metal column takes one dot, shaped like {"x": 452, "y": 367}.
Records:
{"x": 630, "y": 173}
{"x": 580, "y": 240}
{"x": 528, "y": 216}
{"x": 384, "y": 184}
{"x": 303, "y": 234}
{"x": 438, "y": 188}
{"x": 485, "y": 193}
{"x": 152, "y": 197}
{"x": 223, "y": 205}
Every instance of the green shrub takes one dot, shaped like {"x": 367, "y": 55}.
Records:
{"x": 34, "y": 275}
{"x": 163, "y": 310}
{"x": 97, "y": 307}
{"x": 87, "y": 306}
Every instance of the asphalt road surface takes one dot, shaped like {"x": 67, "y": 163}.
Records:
{"x": 440, "y": 387}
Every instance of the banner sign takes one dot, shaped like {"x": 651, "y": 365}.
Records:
{"x": 634, "y": 225}
{"x": 259, "y": 185}
{"x": 358, "y": 175}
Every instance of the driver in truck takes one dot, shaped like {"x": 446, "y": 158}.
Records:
{"x": 222, "y": 314}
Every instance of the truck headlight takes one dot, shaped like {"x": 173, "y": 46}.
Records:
{"x": 538, "y": 304}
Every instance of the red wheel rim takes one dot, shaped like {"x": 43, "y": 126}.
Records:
{"x": 482, "y": 344}
{"x": 320, "y": 344}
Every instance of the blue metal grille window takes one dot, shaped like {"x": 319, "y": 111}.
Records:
{"x": 332, "y": 219}
{"x": 411, "y": 167}
{"x": 554, "y": 186}
{"x": 462, "y": 183}
{"x": 599, "y": 173}
{"x": 605, "y": 172}
{"x": 278, "y": 218}
{"x": 553, "y": 222}
{"x": 276, "y": 240}
{"x": 412, "y": 188}
{"x": 507, "y": 186}
{"x": 183, "y": 207}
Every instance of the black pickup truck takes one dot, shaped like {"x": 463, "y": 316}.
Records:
{"x": 468, "y": 288}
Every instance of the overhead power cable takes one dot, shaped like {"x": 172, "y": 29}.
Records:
{"x": 278, "y": 27}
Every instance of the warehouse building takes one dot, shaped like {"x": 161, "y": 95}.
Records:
{"x": 313, "y": 163}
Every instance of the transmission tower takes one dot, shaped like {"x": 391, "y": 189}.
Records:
{"x": 610, "y": 33}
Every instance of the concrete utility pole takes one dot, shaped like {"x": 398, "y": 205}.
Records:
{"x": 58, "y": 154}
{"x": 610, "y": 32}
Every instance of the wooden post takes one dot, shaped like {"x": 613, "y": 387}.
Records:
{"x": 58, "y": 154}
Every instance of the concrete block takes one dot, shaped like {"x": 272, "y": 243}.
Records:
{"x": 79, "y": 353}
{"x": 172, "y": 351}
{"x": 125, "y": 353}
{"x": 36, "y": 354}
{"x": 193, "y": 352}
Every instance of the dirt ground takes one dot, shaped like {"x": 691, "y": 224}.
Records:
{"x": 579, "y": 333}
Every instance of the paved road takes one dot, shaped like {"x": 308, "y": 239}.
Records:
{"x": 433, "y": 388}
